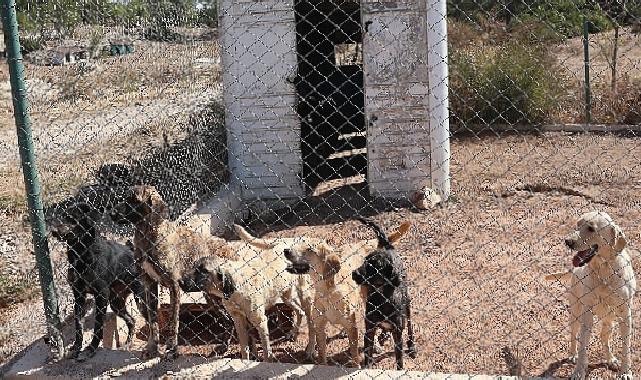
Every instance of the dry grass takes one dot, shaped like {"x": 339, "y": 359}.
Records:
{"x": 619, "y": 107}
{"x": 153, "y": 71}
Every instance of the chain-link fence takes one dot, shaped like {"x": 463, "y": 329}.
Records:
{"x": 204, "y": 165}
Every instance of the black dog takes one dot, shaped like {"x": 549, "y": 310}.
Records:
{"x": 103, "y": 268}
{"x": 388, "y": 301}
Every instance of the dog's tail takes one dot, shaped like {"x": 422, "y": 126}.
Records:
{"x": 559, "y": 276}
{"x": 402, "y": 230}
{"x": 256, "y": 242}
{"x": 383, "y": 241}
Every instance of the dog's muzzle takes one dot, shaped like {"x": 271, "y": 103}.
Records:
{"x": 584, "y": 257}
{"x": 295, "y": 266}
{"x": 299, "y": 268}
{"x": 358, "y": 278}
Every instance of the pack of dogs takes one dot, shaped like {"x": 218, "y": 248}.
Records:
{"x": 323, "y": 284}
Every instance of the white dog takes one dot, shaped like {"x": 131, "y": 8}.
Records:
{"x": 603, "y": 285}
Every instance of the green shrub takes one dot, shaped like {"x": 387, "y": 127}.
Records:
{"x": 29, "y": 44}
{"x": 510, "y": 84}
{"x": 566, "y": 17}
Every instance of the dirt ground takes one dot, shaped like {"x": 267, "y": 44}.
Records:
{"x": 476, "y": 265}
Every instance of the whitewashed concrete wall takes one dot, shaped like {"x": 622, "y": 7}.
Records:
{"x": 396, "y": 95}
{"x": 258, "y": 42}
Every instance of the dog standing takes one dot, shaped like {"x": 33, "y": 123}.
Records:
{"x": 166, "y": 252}
{"x": 249, "y": 287}
{"x": 603, "y": 284}
{"x": 388, "y": 300}
{"x": 337, "y": 298}
{"x": 103, "y": 268}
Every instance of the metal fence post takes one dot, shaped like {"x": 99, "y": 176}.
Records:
{"x": 586, "y": 62}
{"x": 31, "y": 180}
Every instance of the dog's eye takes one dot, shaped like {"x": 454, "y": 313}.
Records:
{"x": 591, "y": 229}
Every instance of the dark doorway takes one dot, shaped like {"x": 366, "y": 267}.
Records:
{"x": 330, "y": 90}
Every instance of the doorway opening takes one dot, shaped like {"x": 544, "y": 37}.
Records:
{"x": 330, "y": 90}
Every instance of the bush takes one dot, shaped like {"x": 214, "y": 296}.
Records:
{"x": 566, "y": 17}
{"x": 622, "y": 106}
{"x": 30, "y": 44}
{"x": 513, "y": 84}
{"x": 531, "y": 31}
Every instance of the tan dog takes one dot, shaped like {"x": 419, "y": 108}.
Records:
{"x": 602, "y": 285}
{"x": 337, "y": 298}
{"x": 166, "y": 253}
{"x": 252, "y": 285}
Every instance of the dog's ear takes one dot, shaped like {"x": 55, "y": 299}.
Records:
{"x": 158, "y": 205}
{"x": 332, "y": 265}
{"x": 395, "y": 278}
{"x": 398, "y": 234}
{"x": 256, "y": 242}
{"x": 84, "y": 208}
{"x": 227, "y": 284}
{"x": 619, "y": 240}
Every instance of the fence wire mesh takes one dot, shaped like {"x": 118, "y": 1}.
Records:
{"x": 158, "y": 125}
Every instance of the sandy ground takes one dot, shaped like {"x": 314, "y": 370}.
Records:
{"x": 476, "y": 265}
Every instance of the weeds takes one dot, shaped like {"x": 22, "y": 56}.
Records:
{"x": 14, "y": 290}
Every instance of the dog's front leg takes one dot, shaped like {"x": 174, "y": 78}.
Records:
{"x": 575, "y": 327}
{"x": 626, "y": 335}
{"x": 606, "y": 335}
{"x": 320, "y": 325}
{"x": 259, "y": 321}
{"x": 151, "y": 307}
{"x": 368, "y": 344}
{"x": 584, "y": 339}
{"x": 397, "y": 334}
{"x": 240, "y": 324}
{"x": 78, "y": 313}
{"x": 308, "y": 308}
{"x": 352, "y": 337}
{"x": 174, "y": 323}
{"x": 101, "y": 311}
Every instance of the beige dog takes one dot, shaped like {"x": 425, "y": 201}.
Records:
{"x": 602, "y": 285}
{"x": 252, "y": 285}
{"x": 337, "y": 298}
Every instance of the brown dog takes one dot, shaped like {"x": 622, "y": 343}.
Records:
{"x": 166, "y": 253}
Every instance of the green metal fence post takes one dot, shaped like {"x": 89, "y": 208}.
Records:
{"x": 31, "y": 180}
{"x": 586, "y": 62}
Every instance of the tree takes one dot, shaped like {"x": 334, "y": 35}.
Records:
{"x": 60, "y": 16}
{"x": 208, "y": 13}
{"x": 165, "y": 14}
{"x": 95, "y": 11}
